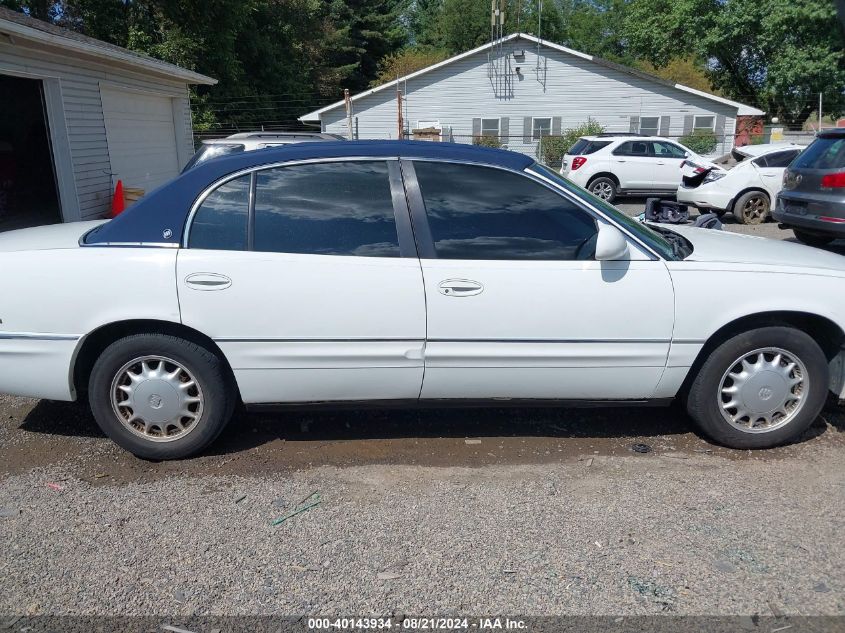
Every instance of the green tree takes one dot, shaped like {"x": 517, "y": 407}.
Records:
{"x": 407, "y": 61}
{"x": 596, "y": 27}
{"x": 522, "y": 16}
{"x": 365, "y": 31}
{"x": 423, "y": 20}
{"x": 777, "y": 55}
{"x": 463, "y": 25}
{"x": 685, "y": 70}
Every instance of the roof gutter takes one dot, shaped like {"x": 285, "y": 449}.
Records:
{"x": 85, "y": 48}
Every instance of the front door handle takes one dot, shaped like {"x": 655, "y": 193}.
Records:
{"x": 459, "y": 287}
{"x": 207, "y": 281}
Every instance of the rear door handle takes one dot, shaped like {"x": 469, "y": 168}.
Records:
{"x": 207, "y": 281}
{"x": 459, "y": 287}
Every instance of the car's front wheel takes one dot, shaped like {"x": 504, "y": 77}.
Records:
{"x": 761, "y": 388}
{"x": 159, "y": 396}
{"x": 604, "y": 188}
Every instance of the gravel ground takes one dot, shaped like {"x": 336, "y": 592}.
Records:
{"x": 534, "y": 512}
{"x": 687, "y": 528}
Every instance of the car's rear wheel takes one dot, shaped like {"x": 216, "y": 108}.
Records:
{"x": 159, "y": 396}
{"x": 604, "y": 188}
{"x": 760, "y": 388}
{"x": 812, "y": 239}
{"x": 752, "y": 208}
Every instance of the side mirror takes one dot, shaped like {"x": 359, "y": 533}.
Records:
{"x": 611, "y": 243}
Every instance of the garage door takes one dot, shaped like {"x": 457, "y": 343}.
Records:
{"x": 141, "y": 137}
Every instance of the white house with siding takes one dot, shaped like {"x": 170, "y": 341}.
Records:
{"x": 521, "y": 88}
{"x": 76, "y": 115}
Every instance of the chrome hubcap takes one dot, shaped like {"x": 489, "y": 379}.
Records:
{"x": 755, "y": 209}
{"x": 763, "y": 390}
{"x": 156, "y": 398}
{"x": 602, "y": 190}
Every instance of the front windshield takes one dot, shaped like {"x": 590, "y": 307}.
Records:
{"x": 647, "y": 235}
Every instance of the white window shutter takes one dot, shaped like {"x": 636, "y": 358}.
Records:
{"x": 526, "y": 129}
{"x": 664, "y": 125}
{"x": 635, "y": 124}
{"x": 476, "y": 127}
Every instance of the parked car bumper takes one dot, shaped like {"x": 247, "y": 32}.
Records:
{"x": 820, "y": 217}
{"x": 578, "y": 176}
{"x": 704, "y": 197}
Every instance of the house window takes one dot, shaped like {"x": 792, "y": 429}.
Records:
{"x": 541, "y": 127}
{"x": 704, "y": 122}
{"x": 649, "y": 125}
{"x": 489, "y": 127}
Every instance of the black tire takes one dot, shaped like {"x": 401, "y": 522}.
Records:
{"x": 703, "y": 401}
{"x": 605, "y": 188}
{"x": 812, "y": 239}
{"x": 752, "y": 208}
{"x": 204, "y": 366}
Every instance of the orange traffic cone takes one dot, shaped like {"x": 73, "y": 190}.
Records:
{"x": 118, "y": 204}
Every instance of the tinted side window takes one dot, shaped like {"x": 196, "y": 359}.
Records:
{"x": 632, "y": 148}
{"x": 667, "y": 150}
{"x": 584, "y": 147}
{"x": 220, "y": 222}
{"x": 781, "y": 159}
{"x": 485, "y": 213}
{"x": 326, "y": 209}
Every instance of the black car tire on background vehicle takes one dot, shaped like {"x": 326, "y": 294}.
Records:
{"x": 604, "y": 188}
{"x": 755, "y": 370}
{"x": 159, "y": 396}
{"x": 752, "y": 208}
{"x": 812, "y": 239}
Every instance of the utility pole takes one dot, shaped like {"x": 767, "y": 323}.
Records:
{"x": 820, "y": 112}
{"x": 348, "y": 102}
{"x": 400, "y": 124}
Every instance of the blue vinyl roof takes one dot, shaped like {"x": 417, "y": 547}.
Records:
{"x": 160, "y": 216}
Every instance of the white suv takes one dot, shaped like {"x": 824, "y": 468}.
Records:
{"x": 620, "y": 164}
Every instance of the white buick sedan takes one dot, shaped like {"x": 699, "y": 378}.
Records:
{"x": 397, "y": 272}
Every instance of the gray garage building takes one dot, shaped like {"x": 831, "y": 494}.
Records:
{"x": 76, "y": 115}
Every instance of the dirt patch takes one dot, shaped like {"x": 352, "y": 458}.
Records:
{"x": 44, "y": 433}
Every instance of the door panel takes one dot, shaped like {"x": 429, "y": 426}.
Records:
{"x": 591, "y": 330}
{"x": 633, "y": 165}
{"x": 772, "y": 180}
{"x": 299, "y": 328}
{"x": 667, "y": 165}
{"x": 315, "y": 297}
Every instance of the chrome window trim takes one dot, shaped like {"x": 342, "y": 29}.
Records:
{"x": 131, "y": 244}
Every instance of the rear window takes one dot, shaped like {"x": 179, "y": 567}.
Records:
{"x": 823, "y": 153}
{"x": 584, "y": 146}
{"x": 212, "y": 150}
